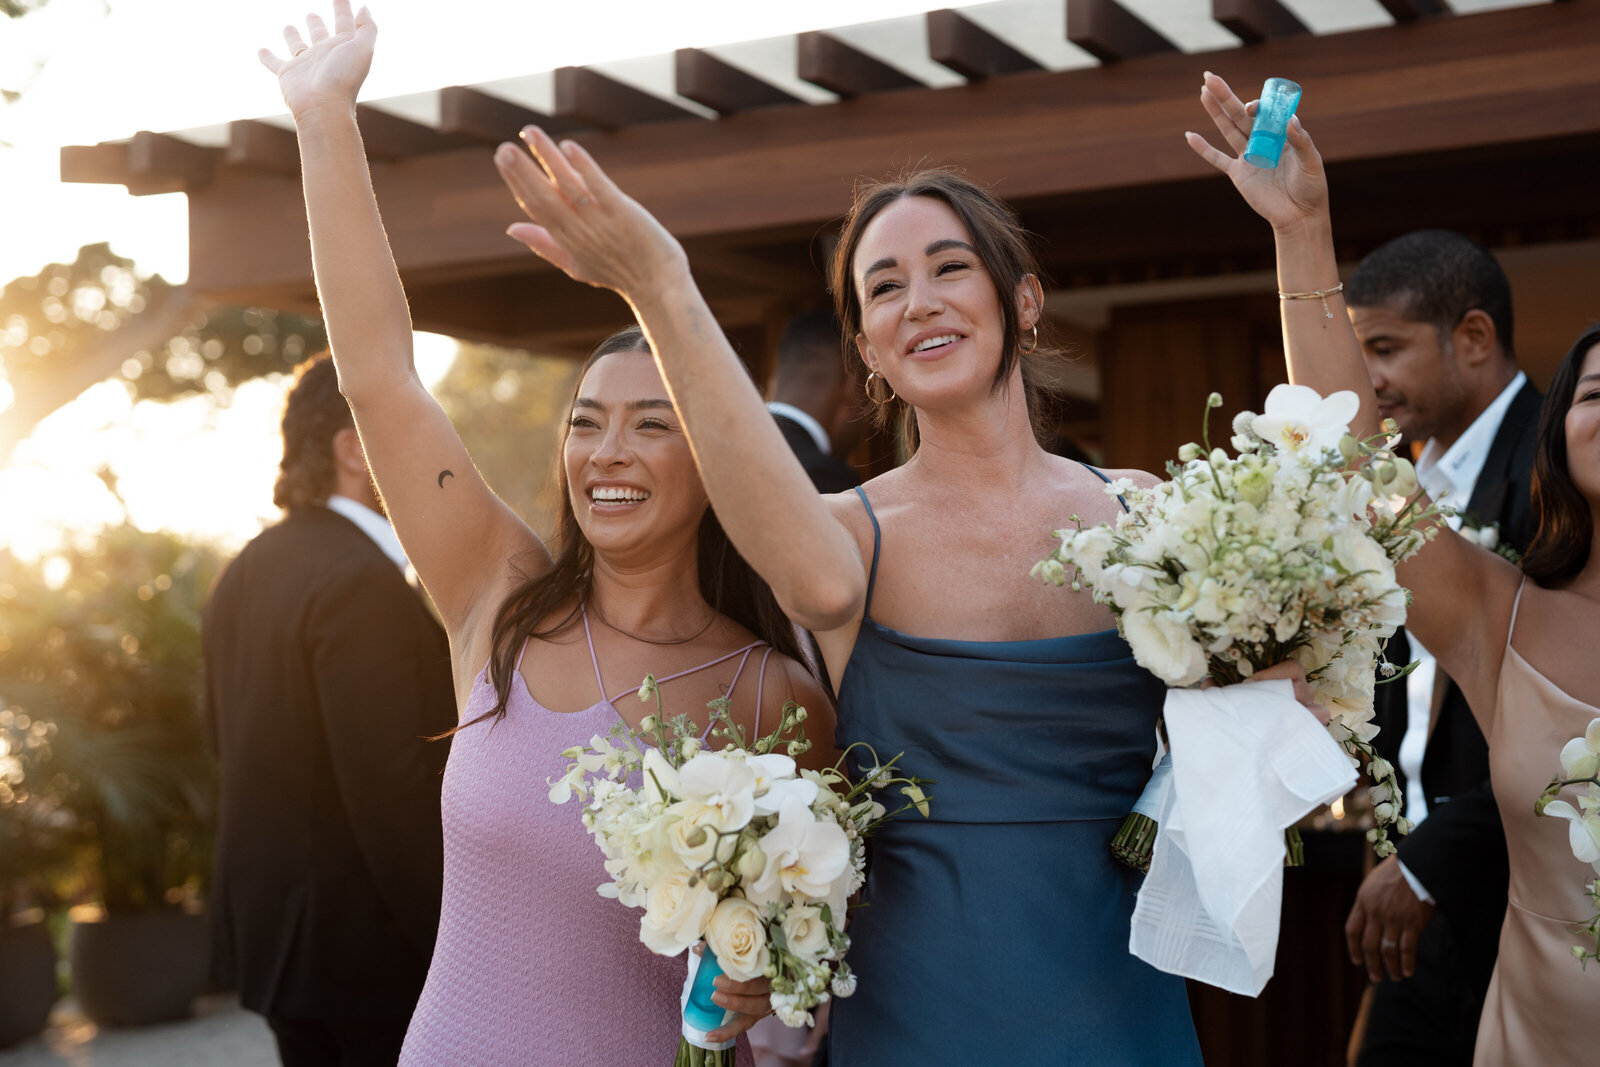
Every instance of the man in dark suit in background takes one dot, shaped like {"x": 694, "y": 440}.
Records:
{"x": 817, "y": 401}
{"x": 1433, "y": 312}
{"x": 325, "y": 672}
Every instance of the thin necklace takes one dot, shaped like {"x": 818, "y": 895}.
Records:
{"x": 650, "y": 641}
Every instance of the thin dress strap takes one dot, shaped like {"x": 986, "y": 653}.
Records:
{"x": 761, "y": 681}
{"x": 877, "y": 542}
{"x": 588, "y": 635}
{"x": 1515, "y": 606}
{"x": 1102, "y": 476}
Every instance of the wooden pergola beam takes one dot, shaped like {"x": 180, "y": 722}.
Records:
{"x": 824, "y": 60}
{"x": 1110, "y": 32}
{"x": 587, "y": 96}
{"x": 474, "y": 114}
{"x": 95, "y": 164}
{"x": 160, "y": 158}
{"x": 1411, "y": 10}
{"x": 1254, "y": 21}
{"x": 721, "y": 86}
{"x": 1389, "y": 91}
{"x": 262, "y": 146}
{"x": 970, "y": 50}
{"x": 391, "y": 137}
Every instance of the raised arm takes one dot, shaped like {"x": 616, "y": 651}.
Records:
{"x": 1323, "y": 353}
{"x": 457, "y": 533}
{"x": 585, "y": 225}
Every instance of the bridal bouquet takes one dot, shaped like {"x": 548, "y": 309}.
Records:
{"x": 735, "y": 846}
{"x": 1285, "y": 550}
{"x": 1580, "y": 766}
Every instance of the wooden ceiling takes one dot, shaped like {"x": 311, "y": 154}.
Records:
{"x": 1487, "y": 122}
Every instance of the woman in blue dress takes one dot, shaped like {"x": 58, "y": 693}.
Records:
{"x": 997, "y": 929}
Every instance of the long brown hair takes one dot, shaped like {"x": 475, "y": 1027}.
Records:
{"x": 1002, "y": 246}
{"x": 1560, "y": 547}
{"x": 728, "y": 583}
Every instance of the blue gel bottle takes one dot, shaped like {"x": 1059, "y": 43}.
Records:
{"x": 1279, "y": 97}
{"x": 702, "y": 1012}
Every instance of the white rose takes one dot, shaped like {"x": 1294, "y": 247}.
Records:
{"x": 675, "y": 913}
{"x": 1163, "y": 645}
{"x": 739, "y": 939}
{"x": 698, "y": 835}
{"x": 806, "y": 933}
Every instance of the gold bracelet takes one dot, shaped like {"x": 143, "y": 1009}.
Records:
{"x": 1315, "y": 294}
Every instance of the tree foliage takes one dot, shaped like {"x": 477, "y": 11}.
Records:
{"x": 100, "y": 706}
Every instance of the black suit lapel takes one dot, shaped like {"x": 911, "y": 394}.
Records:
{"x": 1502, "y": 495}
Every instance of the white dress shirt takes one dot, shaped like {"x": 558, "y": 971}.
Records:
{"x": 1449, "y": 476}
{"x": 806, "y": 422}
{"x": 374, "y": 526}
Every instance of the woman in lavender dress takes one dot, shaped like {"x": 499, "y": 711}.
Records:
{"x": 531, "y": 965}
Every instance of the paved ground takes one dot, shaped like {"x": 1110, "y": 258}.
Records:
{"x": 221, "y": 1034}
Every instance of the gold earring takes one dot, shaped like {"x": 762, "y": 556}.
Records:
{"x": 879, "y": 401}
{"x": 1032, "y": 345}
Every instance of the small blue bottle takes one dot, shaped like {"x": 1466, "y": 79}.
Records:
{"x": 1279, "y": 97}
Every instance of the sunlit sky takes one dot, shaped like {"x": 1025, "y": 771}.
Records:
{"x": 95, "y": 70}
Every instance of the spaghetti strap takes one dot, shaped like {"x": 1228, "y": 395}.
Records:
{"x": 877, "y": 543}
{"x": 761, "y": 681}
{"x": 1102, "y": 476}
{"x": 1516, "y": 605}
{"x": 588, "y": 636}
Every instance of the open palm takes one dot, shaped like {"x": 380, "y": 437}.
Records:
{"x": 1294, "y": 190}
{"x": 324, "y": 68}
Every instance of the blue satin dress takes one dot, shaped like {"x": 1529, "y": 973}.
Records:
{"x": 996, "y": 931}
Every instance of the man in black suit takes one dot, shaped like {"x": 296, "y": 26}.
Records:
{"x": 325, "y": 674}
{"x": 1433, "y": 312}
{"x": 817, "y": 401}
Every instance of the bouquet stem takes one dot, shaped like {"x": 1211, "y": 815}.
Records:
{"x": 1295, "y": 847}
{"x": 694, "y": 1056}
{"x": 1134, "y": 842}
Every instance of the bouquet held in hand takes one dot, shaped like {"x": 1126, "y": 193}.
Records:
{"x": 737, "y": 847}
{"x": 1283, "y": 551}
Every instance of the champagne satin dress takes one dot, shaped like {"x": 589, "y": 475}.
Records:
{"x": 1542, "y": 1007}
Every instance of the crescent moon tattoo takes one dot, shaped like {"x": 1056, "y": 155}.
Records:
{"x": 443, "y": 475}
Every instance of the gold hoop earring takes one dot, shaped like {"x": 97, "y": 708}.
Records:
{"x": 1033, "y": 345}
{"x": 879, "y": 401}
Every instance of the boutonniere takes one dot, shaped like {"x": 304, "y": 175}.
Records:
{"x": 1487, "y": 535}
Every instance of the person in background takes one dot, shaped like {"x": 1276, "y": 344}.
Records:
{"x": 1432, "y": 311}
{"x": 325, "y": 675}
{"x": 818, "y": 401}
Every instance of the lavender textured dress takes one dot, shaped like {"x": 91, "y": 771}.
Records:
{"x": 532, "y": 966}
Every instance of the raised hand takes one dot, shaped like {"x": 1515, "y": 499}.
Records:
{"x": 329, "y": 70}
{"x": 1293, "y": 192}
{"x": 581, "y": 222}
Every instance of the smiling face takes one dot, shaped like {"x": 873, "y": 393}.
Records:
{"x": 1583, "y": 430}
{"x": 1415, "y": 373}
{"x": 631, "y": 478}
{"x": 931, "y": 319}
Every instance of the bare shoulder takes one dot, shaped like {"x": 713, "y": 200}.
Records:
{"x": 799, "y": 685}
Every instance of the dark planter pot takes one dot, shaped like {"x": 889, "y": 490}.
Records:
{"x": 28, "y": 976}
{"x": 130, "y": 970}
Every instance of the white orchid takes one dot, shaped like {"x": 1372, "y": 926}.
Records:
{"x": 729, "y": 785}
{"x": 1583, "y": 830}
{"x": 776, "y": 783}
{"x": 1580, "y": 757}
{"x": 804, "y": 857}
{"x": 661, "y": 783}
{"x": 1298, "y": 417}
